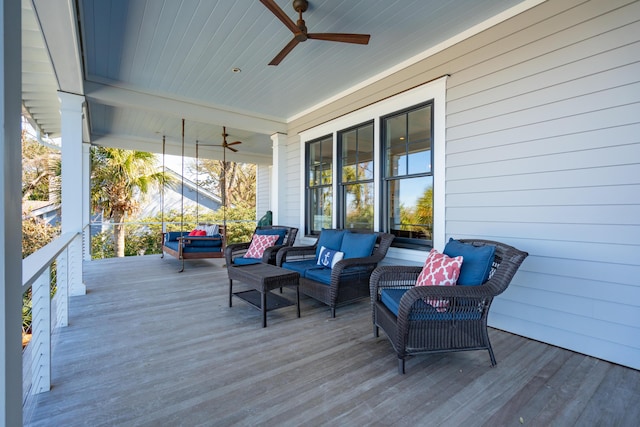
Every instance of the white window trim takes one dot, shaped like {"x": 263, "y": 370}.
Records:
{"x": 435, "y": 90}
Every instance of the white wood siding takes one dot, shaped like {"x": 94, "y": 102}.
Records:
{"x": 263, "y": 190}
{"x": 543, "y": 152}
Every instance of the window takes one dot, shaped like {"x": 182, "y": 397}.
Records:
{"x": 319, "y": 190}
{"x": 389, "y": 159}
{"x": 356, "y": 178}
{"x": 408, "y": 175}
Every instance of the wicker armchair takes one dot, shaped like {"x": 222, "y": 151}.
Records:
{"x": 349, "y": 278}
{"x": 419, "y": 328}
{"x": 237, "y": 250}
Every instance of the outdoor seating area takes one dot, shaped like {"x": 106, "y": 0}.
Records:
{"x": 240, "y": 254}
{"x": 336, "y": 269}
{"x": 420, "y": 318}
{"x": 205, "y": 241}
{"x": 141, "y": 351}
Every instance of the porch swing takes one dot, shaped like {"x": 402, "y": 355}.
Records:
{"x": 205, "y": 241}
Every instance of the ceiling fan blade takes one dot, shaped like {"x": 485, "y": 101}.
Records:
{"x": 275, "y": 9}
{"x": 284, "y": 52}
{"x": 341, "y": 37}
{"x": 234, "y": 143}
{"x": 231, "y": 148}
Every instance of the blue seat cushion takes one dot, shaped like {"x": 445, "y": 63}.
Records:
{"x": 246, "y": 261}
{"x": 476, "y": 264}
{"x": 319, "y": 274}
{"x": 358, "y": 245}
{"x": 330, "y": 239}
{"x": 391, "y": 299}
{"x": 280, "y": 232}
{"x": 300, "y": 266}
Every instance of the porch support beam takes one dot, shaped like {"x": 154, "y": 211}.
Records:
{"x": 10, "y": 215}
{"x": 279, "y": 177}
{"x": 72, "y": 185}
{"x": 121, "y": 97}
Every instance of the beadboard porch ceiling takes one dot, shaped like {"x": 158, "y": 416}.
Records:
{"x": 144, "y": 65}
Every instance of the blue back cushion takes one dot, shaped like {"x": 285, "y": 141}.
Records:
{"x": 330, "y": 239}
{"x": 280, "y": 232}
{"x": 358, "y": 245}
{"x": 476, "y": 264}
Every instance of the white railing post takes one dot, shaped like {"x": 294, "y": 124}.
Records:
{"x": 46, "y": 315}
{"x": 62, "y": 291}
{"x": 41, "y": 333}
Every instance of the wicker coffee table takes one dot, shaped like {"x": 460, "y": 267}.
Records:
{"x": 263, "y": 278}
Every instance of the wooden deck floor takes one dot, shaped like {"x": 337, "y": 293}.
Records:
{"x": 148, "y": 346}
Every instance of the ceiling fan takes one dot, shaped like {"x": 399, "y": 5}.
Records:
{"x": 299, "y": 29}
{"x": 225, "y": 144}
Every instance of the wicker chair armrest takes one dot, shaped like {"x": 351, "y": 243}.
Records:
{"x": 344, "y": 265}
{"x": 294, "y": 251}
{"x": 393, "y": 276}
{"x": 235, "y": 250}
{"x": 271, "y": 252}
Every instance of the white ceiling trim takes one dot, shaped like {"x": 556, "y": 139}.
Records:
{"x": 121, "y": 97}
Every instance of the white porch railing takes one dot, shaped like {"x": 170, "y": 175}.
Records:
{"x": 47, "y": 314}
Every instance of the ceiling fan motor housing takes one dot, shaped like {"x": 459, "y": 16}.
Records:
{"x": 300, "y": 5}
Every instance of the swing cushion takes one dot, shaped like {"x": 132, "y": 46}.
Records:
{"x": 195, "y": 244}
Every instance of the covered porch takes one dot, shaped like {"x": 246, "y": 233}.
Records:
{"x": 149, "y": 346}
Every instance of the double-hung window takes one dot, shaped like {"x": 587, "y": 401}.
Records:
{"x": 407, "y": 152}
{"x": 319, "y": 190}
{"x": 356, "y": 207}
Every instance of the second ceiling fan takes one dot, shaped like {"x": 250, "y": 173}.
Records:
{"x": 299, "y": 29}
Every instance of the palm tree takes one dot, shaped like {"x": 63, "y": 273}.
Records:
{"x": 117, "y": 177}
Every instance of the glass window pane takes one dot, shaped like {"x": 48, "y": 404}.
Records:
{"x": 395, "y": 145}
{"x": 314, "y": 168}
{"x": 359, "y": 206}
{"x": 320, "y": 205}
{"x": 420, "y": 124}
{"x": 365, "y": 152}
{"x": 349, "y": 155}
{"x": 419, "y": 159}
{"x": 327, "y": 161}
{"x": 411, "y": 207}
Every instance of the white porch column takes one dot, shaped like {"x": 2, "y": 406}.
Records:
{"x": 10, "y": 215}
{"x": 279, "y": 178}
{"x": 72, "y": 185}
{"x": 86, "y": 198}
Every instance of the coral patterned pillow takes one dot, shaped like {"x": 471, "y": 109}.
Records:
{"x": 439, "y": 270}
{"x": 259, "y": 243}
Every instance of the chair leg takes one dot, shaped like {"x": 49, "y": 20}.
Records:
{"x": 492, "y": 356}
{"x": 333, "y": 312}
{"x": 401, "y": 365}
{"x": 376, "y": 331}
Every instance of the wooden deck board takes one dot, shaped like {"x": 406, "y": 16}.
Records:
{"x": 149, "y": 346}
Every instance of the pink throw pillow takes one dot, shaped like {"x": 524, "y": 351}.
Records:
{"x": 259, "y": 243}
{"x": 439, "y": 270}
